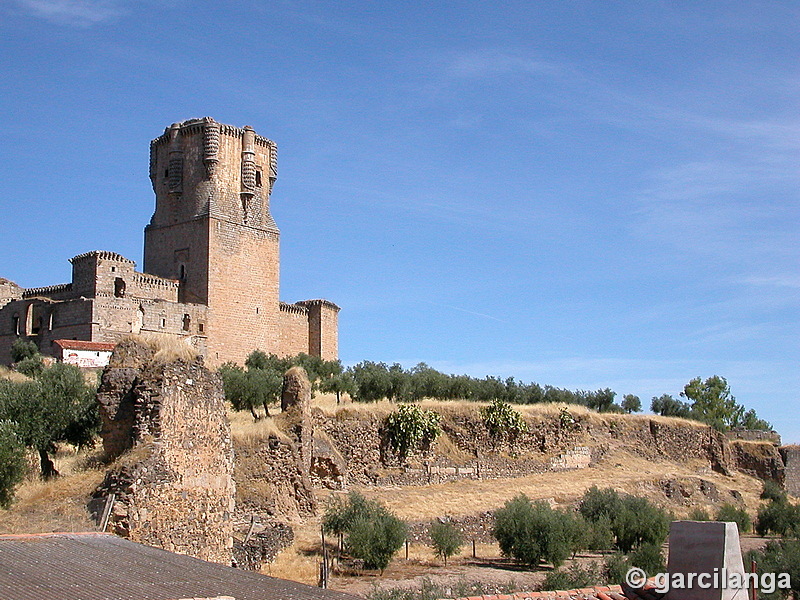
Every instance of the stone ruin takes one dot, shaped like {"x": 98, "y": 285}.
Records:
{"x": 791, "y": 458}
{"x": 174, "y": 486}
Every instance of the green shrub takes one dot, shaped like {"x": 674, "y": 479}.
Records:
{"x": 639, "y": 522}
{"x": 502, "y": 420}
{"x": 576, "y": 576}
{"x": 601, "y": 536}
{"x": 22, "y": 349}
{"x": 649, "y": 558}
{"x": 446, "y": 539}
{"x": 373, "y": 533}
{"x": 12, "y": 462}
{"x": 615, "y": 567}
{"x": 342, "y": 512}
{"x": 772, "y": 490}
{"x": 633, "y": 521}
{"x": 57, "y": 406}
{"x": 597, "y": 503}
{"x": 375, "y": 540}
{"x": 532, "y": 532}
{"x": 30, "y": 366}
{"x": 412, "y": 427}
{"x": 779, "y": 517}
{"x": 780, "y": 556}
{"x": 728, "y": 512}
{"x": 699, "y": 514}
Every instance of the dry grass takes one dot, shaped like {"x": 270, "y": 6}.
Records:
{"x": 248, "y": 431}
{"x": 166, "y": 347}
{"x": 6, "y": 373}
{"x": 533, "y": 411}
{"x": 619, "y": 470}
{"x": 58, "y": 504}
{"x": 299, "y": 562}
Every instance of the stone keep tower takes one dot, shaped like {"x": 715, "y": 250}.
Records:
{"x": 212, "y": 230}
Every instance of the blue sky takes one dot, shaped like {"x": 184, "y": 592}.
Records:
{"x": 582, "y": 194}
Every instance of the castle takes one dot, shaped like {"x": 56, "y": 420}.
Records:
{"x": 211, "y": 263}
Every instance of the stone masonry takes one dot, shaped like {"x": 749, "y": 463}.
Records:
{"x": 174, "y": 488}
{"x": 791, "y": 460}
{"x": 211, "y": 262}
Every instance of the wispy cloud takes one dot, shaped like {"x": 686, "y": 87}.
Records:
{"x": 74, "y": 13}
{"x": 469, "y": 312}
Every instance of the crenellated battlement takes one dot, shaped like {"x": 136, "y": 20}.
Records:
{"x": 48, "y": 290}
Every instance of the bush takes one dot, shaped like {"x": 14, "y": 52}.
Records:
{"x": 780, "y": 556}
{"x": 57, "y": 406}
{"x": 575, "y": 577}
{"x": 502, "y": 420}
{"x": 532, "y": 532}
{"x": 649, "y": 558}
{"x": 373, "y": 533}
{"x": 12, "y": 462}
{"x": 633, "y": 521}
{"x": 375, "y": 540}
{"x": 446, "y": 539}
{"x": 779, "y": 517}
{"x": 342, "y": 512}
{"x": 615, "y": 568}
{"x": 411, "y": 427}
{"x": 728, "y": 512}
{"x": 631, "y": 403}
{"x": 639, "y": 522}
{"x": 773, "y": 491}
{"x": 251, "y": 388}
{"x": 601, "y": 536}
{"x": 597, "y": 503}
{"x": 699, "y": 514}
{"x": 22, "y": 349}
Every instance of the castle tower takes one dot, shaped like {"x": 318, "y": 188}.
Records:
{"x": 212, "y": 230}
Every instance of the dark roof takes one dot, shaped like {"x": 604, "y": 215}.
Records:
{"x": 96, "y": 566}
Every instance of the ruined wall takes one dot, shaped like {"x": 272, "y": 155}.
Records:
{"x": 272, "y": 478}
{"x": 791, "y": 460}
{"x": 175, "y": 487}
{"x": 759, "y": 459}
{"x": 752, "y": 435}
{"x": 467, "y": 451}
{"x": 42, "y": 320}
{"x": 9, "y": 291}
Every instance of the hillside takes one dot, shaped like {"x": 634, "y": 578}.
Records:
{"x": 678, "y": 464}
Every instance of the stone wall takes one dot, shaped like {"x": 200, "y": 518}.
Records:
{"x": 759, "y": 459}
{"x": 466, "y": 451}
{"x": 9, "y": 291}
{"x": 272, "y": 479}
{"x": 174, "y": 486}
{"x": 791, "y": 460}
{"x": 752, "y": 435}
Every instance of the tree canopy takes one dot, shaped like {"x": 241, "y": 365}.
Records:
{"x": 56, "y": 406}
